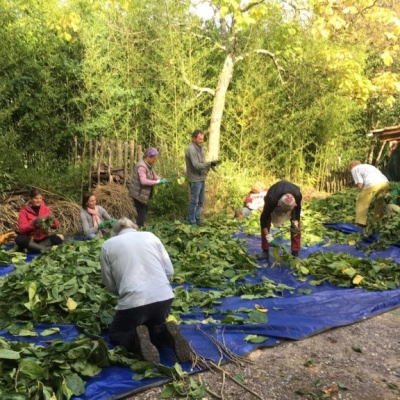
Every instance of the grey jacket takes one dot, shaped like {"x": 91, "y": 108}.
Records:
{"x": 196, "y": 167}
{"x": 87, "y": 220}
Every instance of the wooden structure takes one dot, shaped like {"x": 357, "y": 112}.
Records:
{"x": 390, "y": 134}
{"x": 110, "y": 161}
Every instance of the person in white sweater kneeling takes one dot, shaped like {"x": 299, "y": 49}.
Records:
{"x": 137, "y": 268}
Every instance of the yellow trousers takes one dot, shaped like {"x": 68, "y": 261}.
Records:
{"x": 364, "y": 200}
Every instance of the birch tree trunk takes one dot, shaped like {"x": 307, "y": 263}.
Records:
{"x": 219, "y": 105}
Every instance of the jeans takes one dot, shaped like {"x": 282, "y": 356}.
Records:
{"x": 90, "y": 236}
{"x": 197, "y": 196}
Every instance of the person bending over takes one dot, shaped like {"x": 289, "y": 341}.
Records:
{"x": 282, "y": 202}
{"x": 370, "y": 182}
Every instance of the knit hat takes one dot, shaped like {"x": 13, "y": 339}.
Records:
{"x": 287, "y": 202}
{"x": 152, "y": 152}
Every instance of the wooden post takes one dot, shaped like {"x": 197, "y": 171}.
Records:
{"x": 75, "y": 150}
{"x": 119, "y": 153}
{"x": 100, "y": 160}
{"x": 139, "y": 152}
{"x": 125, "y": 162}
{"x": 380, "y": 152}
{"x": 132, "y": 156}
{"x": 90, "y": 163}
{"x": 370, "y": 156}
{"x": 110, "y": 160}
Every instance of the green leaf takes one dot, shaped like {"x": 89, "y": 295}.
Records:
{"x": 357, "y": 349}
{"x": 9, "y": 354}
{"x": 75, "y": 384}
{"x": 258, "y": 317}
{"x": 256, "y": 338}
{"x": 33, "y": 369}
{"x": 50, "y": 331}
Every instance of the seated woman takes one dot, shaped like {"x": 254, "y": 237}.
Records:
{"x": 93, "y": 217}
{"x": 35, "y": 220}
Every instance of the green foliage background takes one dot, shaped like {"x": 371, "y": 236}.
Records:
{"x": 88, "y": 70}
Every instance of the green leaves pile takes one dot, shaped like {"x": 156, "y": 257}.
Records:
{"x": 345, "y": 270}
{"x": 52, "y": 372}
{"x": 64, "y": 285}
{"x": 206, "y": 256}
{"x": 61, "y": 286}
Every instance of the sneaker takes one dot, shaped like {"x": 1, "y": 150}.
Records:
{"x": 178, "y": 342}
{"x": 147, "y": 349}
{"x": 264, "y": 255}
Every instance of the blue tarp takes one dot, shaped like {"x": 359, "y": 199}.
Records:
{"x": 292, "y": 316}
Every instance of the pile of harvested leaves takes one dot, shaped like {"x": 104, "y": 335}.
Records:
{"x": 345, "y": 270}
{"x": 63, "y": 286}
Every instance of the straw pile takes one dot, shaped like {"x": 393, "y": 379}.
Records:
{"x": 114, "y": 198}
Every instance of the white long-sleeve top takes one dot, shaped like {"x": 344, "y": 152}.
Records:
{"x": 136, "y": 267}
{"x": 367, "y": 175}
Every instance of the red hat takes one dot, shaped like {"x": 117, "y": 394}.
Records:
{"x": 287, "y": 202}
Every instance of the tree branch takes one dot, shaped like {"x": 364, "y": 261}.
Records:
{"x": 269, "y": 54}
{"x": 251, "y": 5}
{"x": 195, "y": 87}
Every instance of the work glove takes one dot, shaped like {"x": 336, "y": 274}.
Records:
{"x": 161, "y": 181}
{"x": 37, "y": 221}
{"x": 104, "y": 225}
{"x": 112, "y": 222}
{"x": 7, "y": 237}
{"x": 271, "y": 241}
{"x": 294, "y": 227}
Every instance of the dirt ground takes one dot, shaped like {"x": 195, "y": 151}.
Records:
{"x": 354, "y": 362}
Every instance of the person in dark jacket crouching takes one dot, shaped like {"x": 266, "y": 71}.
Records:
{"x": 282, "y": 202}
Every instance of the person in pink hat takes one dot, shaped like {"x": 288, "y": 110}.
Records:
{"x": 282, "y": 202}
{"x": 142, "y": 185}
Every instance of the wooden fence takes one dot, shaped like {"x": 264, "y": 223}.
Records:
{"x": 110, "y": 161}
{"x": 113, "y": 161}
{"x": 337, "y": 180}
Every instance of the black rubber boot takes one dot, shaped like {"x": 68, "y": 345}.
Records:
{"x": 178, "y": 342}
{"x": 144, "y": 345}
{"x": 34, "y": 247}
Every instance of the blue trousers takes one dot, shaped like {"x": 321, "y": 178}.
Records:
{"x": 197, "y": 196}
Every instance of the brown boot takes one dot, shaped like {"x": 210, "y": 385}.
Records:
{"x": 178, "y": 342}
{"x": 143, "y": 343}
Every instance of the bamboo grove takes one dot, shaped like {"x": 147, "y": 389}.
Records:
{"x": 284, "y": 89}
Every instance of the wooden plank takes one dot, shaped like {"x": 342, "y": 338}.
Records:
{"x": 100, "y": 160}
{"x": 132, "y": 156}
{"x": 126, "y": 149}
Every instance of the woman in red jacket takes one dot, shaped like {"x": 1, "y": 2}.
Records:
{"x": 35, "y": 220}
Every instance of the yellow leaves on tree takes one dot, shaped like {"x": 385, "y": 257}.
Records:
{"x": 357, "y": 24}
